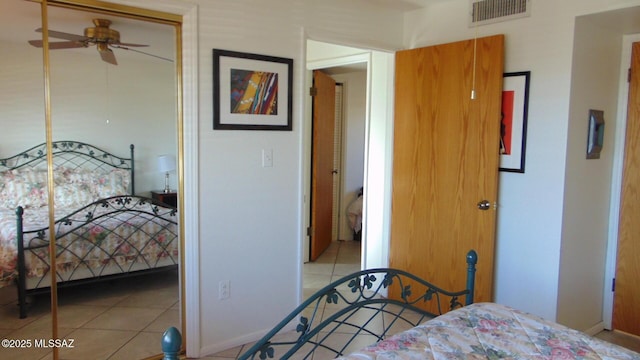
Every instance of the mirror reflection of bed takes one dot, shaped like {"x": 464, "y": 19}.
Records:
{"x": 111, "y": 107}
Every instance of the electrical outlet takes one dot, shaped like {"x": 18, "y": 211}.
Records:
{"x": 224, "y": 290}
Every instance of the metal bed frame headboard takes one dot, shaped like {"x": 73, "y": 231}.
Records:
{"x": 71, "y": 154}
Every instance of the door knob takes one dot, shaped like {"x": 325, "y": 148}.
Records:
{"x": 484, "y": 205}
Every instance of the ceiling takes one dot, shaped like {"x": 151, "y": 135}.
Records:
{"x": 404, "y": 5}
{"x": 19, "y": 19}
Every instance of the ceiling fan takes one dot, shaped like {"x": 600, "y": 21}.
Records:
{"x": 101, "y": 35}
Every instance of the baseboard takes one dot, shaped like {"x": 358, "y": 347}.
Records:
{"x": 632, "y": 336}
{"x": 595, "y": 329}
{"x": 239, "y": 341}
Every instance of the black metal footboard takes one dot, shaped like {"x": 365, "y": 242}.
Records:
{"x": 335, "y": 319}
{"x": 110, "y": 238}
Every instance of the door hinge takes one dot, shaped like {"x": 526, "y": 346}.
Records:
{"x": 629, "y": 75}
{"x": 613, "y": 285}
{"x": 309, "y": 231}
{"x": 313, "y": 91}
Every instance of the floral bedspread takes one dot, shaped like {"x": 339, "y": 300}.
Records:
{"x": 491, "y": 331}
{"x": 113, "y": 241}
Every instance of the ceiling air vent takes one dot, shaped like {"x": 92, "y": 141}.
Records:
{"x": 490, "y": 11}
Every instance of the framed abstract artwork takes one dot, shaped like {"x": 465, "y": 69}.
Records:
{"x": 251, "y": 91}
{"x": 513, "y": 125}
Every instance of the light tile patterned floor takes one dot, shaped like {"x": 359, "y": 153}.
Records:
{"x": 341, "y": 258}
{"x": 121, "y": 324}
{"x": 121, "y": 319}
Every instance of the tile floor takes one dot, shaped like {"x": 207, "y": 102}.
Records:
{"x": 122, "y": 319}
{"x": 121, "y": 324}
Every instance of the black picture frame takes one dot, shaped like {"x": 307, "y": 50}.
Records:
{"x": 251, "y": 91}
{"x": 513, "y": 124}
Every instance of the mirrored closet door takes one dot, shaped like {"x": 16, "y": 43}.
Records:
{"x": 114, "y": 127}
{"x": 23, "y": 181}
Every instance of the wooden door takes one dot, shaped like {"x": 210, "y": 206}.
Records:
{"x": 322, "y": 163}
{"x": 446, "y": 159}
{"x": 626, "y": 298}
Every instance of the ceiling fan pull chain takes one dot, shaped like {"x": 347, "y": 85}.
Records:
{"x": 475, "y": 52}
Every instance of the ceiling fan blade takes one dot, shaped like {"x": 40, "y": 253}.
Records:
{"x": 127, "y": 44}
{"x": 66, "y": 36}
{"x": 58, "y": 44}
{"x": 108, "y": 56}
{"x": 117, "y": 46}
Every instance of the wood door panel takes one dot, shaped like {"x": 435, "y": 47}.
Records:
{"x": 446, "y": 158}
{"x": 626, "y": 308}
{"x": 322, "y": 163}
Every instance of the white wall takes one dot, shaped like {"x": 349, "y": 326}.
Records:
{"x": 596, "y": 60}
{"x": 251, "y": 219}
{"x": 22, "y": 100}
{"x": 590, "y": 188}
{"x": 114, "y": 106}
{"x": 532, "y": 206}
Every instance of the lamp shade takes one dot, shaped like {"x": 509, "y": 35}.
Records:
{"x": 166, "y": 163}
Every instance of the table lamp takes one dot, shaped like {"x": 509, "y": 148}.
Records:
{"x": 166, "y": 163}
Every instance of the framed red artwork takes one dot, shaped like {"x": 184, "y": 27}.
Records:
{"x": 513, "y": 123}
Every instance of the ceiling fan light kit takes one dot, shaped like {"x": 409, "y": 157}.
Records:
{"x": 100, "y": 35}
{"x": 101, "y": 32}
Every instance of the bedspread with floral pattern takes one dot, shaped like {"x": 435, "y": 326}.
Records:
{"x": 119, "y": 241}
{"x": 491, "y": 331}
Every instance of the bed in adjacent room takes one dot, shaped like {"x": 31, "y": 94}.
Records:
{"x": 102, "y": 229}
{"x": 354, "y": 215}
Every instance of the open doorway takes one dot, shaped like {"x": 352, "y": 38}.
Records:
{"x": 349, "y": 73}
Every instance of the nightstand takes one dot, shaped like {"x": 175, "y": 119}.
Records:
{"x": 170, "y": 198}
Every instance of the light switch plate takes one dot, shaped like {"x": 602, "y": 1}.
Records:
{"x": 267, "y": 157}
